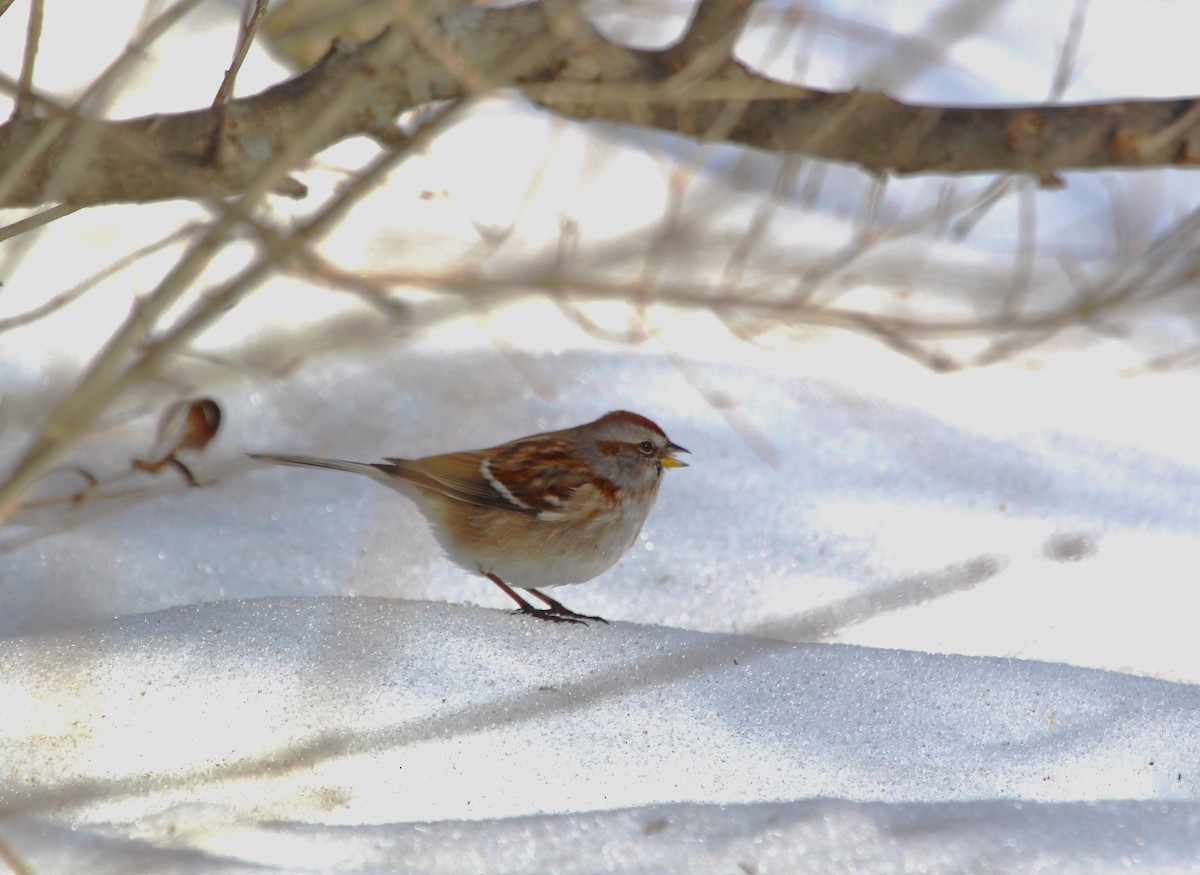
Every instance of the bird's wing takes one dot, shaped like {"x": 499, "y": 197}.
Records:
{"x": 529, "y": 476}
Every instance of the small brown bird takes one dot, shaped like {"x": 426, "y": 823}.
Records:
{"x": 544, "y": 510}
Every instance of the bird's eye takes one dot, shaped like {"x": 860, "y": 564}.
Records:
{"x": 646, "y": 447}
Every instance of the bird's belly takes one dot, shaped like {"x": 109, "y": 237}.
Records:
{"x": 533, "y": 553}
{"x": 559, "y": 571}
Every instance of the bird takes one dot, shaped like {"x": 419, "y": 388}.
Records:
{"x": 549, "y": 509}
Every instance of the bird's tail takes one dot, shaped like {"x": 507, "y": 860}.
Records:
{"x": 314, "y": 462}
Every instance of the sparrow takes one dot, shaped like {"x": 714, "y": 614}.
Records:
{"x": 545, "y": 510}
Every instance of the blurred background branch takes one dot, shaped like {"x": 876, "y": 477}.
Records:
{"x": 405, "y": 74}
{"x": 696, "y": 88}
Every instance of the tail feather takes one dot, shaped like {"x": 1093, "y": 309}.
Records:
{"x": 314, "y": 462}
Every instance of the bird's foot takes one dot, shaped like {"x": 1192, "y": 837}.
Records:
{"x": 558, "y": 609}
{"x": 552, "y": 615}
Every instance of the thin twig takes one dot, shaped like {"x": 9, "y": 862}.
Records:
{"x": 61, "y": 300}
{"x": 33, "y": 39}
{"x": 45, "y": 217}
{"x": 252, "y": 19}
{"x": 1065, "y": 68}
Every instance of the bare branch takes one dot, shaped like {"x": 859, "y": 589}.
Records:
{"x": 33, "y": 38}
{"x": 253, "y": 19}
{"x": 45, "y": 217}
{"x": 710, "y": 38}
{"x": 61, "y": 300}
{"x": 374, "y": 83}
{"x": 450, "y": 51}
{"x": 64, "y": 134}
{"x": 687, "y": 89}
{"x": 112, "y": 373}
{"x": 1065, "y": 68}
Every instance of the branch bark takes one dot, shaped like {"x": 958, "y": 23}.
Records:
{"x": 696, "y": 88}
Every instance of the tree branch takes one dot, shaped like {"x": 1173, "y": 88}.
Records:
{"x": 687, "y": 89}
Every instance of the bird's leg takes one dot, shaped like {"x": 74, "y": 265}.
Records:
{"x": 526, "y": 608}
{"x": 561, "y": 610}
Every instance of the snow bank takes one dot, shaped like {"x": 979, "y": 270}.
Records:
{"x": 330, "y": 733}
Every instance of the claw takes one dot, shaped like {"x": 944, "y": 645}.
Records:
{"x": 551, "y": 615}
{"x": 560, "y": 610}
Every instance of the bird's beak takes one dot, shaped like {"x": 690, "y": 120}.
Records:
{"x": 669, "y": 460}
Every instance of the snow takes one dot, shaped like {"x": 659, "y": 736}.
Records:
{"x": 888, "y": 620}
{"x": 357, "y": 733}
